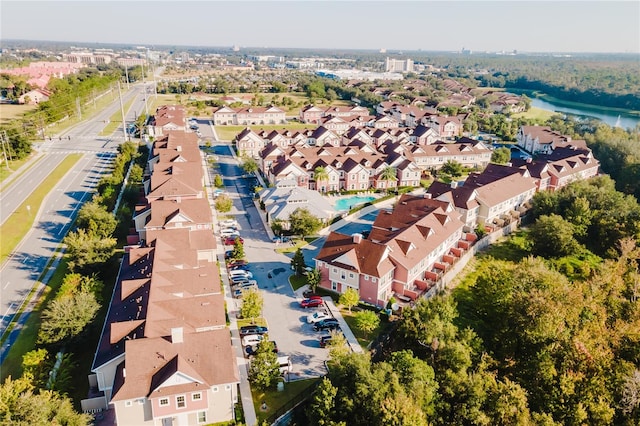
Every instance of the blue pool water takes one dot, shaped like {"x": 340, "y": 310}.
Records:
{"x": 349, "y": 203}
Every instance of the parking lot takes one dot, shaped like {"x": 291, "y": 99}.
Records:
{"x": 286, "y": 320}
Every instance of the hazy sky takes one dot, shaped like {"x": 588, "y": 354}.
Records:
{"x": 534, "y": 26}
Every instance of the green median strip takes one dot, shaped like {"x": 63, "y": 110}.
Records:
{"x": 116, "y": 119}
{"x": 20, "y": 222}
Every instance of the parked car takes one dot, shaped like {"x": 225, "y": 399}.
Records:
{"x": 312, "y": 303}
{"x": 251, "y": 350}
{"x": 317, "y": 316}
{"x": 228, "y": 254}
{"x": 229, "y": 241}
{"x": 227, "y": 222}
{"x": 252, "y": 339}
{"x": 327, "y": 324}
{"x": 240, "y": 273}
{"x": 247, "y": 286}
{"x": 325, "y": 340}
{"x": 238, "y": 266}
{"x": 239, "y": 280}
{"x": 227, "y": 232}
{"x": 253, "y": 329}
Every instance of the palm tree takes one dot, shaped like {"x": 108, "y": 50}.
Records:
{"x": 320, "y": 174}
{"x": 388, "y": 174}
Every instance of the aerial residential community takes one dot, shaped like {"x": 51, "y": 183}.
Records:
{"x": 235, "y": 235}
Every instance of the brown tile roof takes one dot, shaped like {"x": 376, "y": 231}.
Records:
{"x": 206, "y": 357}
{"x": 194, "y": 211}
{"x": 365, "y": 257}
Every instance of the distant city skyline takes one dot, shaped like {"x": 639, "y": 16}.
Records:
{"x": 525, "y": 26}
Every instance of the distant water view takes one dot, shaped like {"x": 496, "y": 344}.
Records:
{"x": 612, "y": 118}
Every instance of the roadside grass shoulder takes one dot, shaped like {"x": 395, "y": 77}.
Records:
{"x": 297, "y": 281}
{"x": 20, "y": 222}
{"x": 116, "y": 119}
{"x": 14, "y": 167}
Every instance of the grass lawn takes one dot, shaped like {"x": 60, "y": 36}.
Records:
{"x": 297, "y": 243}
{"x": 153, "y": 101}
{"x": 227, "y": 133}
{"x": 10, "y": 112}
{"x": 116, "y": 119}
{"x": 297, "y": 282}
{"x": 276, "y": 400}
{"x": 258, "y": 321}
{"x": 13, "y": 167}
{"x": 18, "y": 224}
{"x": 535, "y": 113}
{"x": 363, "y": 339}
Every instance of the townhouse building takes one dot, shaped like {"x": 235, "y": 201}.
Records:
{"x": 543, "y": 140}
{"x": 248, "y": 116}
{"x": 314, "y": 114}
{"x": 164, "y": 354}
{"x": 407, "y": 249}
{"x": 167, "y": 118}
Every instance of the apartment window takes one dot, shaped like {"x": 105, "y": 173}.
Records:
{"x": 164, "y": 402}
{"x": 350, "y": 275}
{"x": 181, "y": 401}
{"x": 366, "y": 277}
{"x": 196, "y": 396}
{"x": 215, "y": 389}
{"x": 343, "y": 275}
{"x": 227, "y": 387}
{"x": 335, "y": 271}
{"x": 334, "y": 286}
{"x": 202, "y": 416}
{"x": 373, "y": 279}
{"x": 128, "y": 403}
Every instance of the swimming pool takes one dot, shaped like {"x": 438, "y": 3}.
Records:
{"x": 349, "y": 203}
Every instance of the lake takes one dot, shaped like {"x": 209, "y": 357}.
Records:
{"x": 623, "y": 120}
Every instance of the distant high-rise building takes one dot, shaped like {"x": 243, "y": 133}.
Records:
{"x": 398, "y": 65}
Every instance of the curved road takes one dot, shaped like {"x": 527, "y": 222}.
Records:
{"x": 21, "y": 271}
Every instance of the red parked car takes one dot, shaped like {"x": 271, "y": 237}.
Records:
{"x": 313, "y": 302}
{"x": 229, "y": 241}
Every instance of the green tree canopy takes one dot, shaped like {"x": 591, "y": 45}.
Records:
{"x": 452, "y": 168}
{"x": 65, "y": 318}
{"x": 367, "y": 321}
{"x": 86, "y": 252}
{"x": 223, "y": 203}
{"x": 96, "y": 220}
{"x": 21, "y": 405}
{"x": 349, "y": 298}
{"x": 552, "y": 236}
{"x": 298, "y": 263}
{"x": 252, "y": 303}
{"x": 501, "y": 155}
{"x": 303, "y": 223}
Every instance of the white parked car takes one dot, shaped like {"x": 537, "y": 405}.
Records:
{"x": 317, "y": 316}
{"x": 228, "y": 223}
{"x": 240, "y": 273}
{"x": 252, "y": 339}
{"x": 229, "y": 232}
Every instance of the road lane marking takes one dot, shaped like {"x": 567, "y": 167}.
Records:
{"x": 6, "y": 285}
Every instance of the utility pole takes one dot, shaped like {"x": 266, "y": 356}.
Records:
{"x": 78, "y": 107}
{"x": 126, "y": 73}
{"x": 4, "y": 151}
{"x": 144, "y": 88}
{"x": 124, "y": 123}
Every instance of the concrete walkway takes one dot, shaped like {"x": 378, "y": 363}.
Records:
{"x": 246, "y": 398}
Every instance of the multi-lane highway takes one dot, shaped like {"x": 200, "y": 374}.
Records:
{"x": 20, "y": 272}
